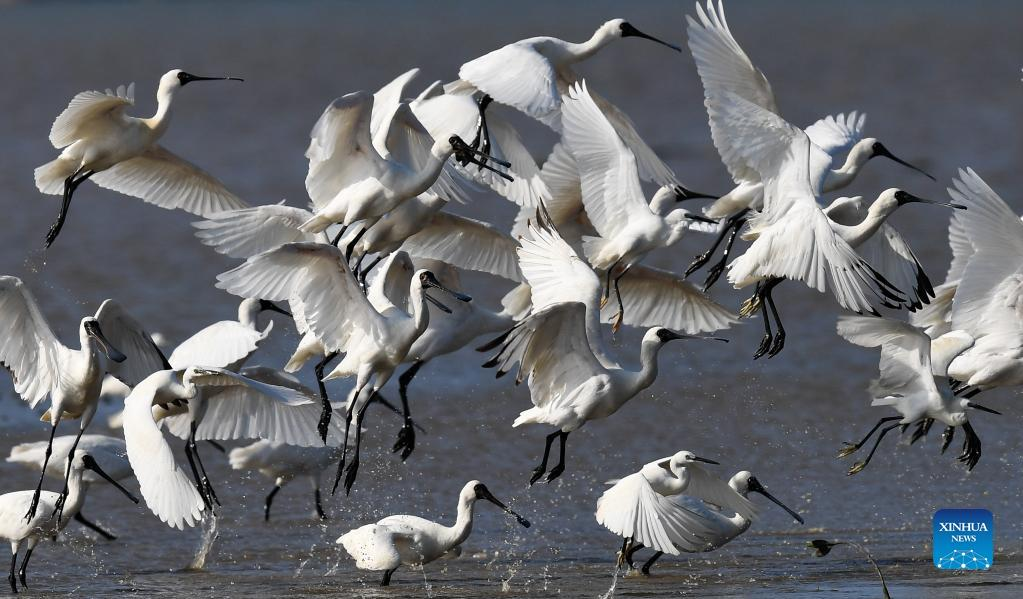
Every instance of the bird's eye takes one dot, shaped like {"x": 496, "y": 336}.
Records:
{"x": 183, "y": 77}
{"x": 901, "y": 196}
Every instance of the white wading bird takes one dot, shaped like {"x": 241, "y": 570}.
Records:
{"x": 792, "y": 237}
{"x": 717, "y": 525}
{"x": 120, "y": 152}
{"x": 908, "y": 385}
{"x": 109, "y": 452}
{"x": 986, "y": 317}
{"x": 224, "y": 344}
{"x": 375, "y": 341}
{"x": 350, "y": 179}
{"x": 559, "y": 347}
{"x": 640, "y": 507}
{"x": 724, "y": 67}
{"x": 167, "y": 491}
{"x": 413, "y": 541}
{"x": 54, "y": 513}
{"x": 628, "y": 226}
{"x": 111, "y": 342}
{"x": 282, "y": 463}
{"x": 533, "y": 74}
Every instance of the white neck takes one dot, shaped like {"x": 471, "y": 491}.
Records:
{"x": 458, "y": 533}
{"x": 248, "y": 313}
{"x": 598, "y": 40}
{"x": 422, "y": 180}
{"x": 856, "y": 235}
{"x": 159, "y": 121}
{"x": 76, "y": 494}
{"x": 843, "y": 175}
{"x": 420, "y": 311}
{"x": 648, "y": 365}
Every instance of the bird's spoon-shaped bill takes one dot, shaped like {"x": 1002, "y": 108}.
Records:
{"x": 91, "y": 464}
{"x": 756, "y": 487}
{"x": 482, "y": 492}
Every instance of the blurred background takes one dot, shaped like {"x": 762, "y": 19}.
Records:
{"x": 939, "y": 81}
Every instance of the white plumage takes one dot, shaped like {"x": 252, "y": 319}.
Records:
{"x": 120, "y": 152}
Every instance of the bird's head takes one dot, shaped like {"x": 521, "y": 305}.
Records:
{"x": 83, "y": 461}
{"x": 663, "y": 335}
{"x": 622, "y": 28}
{"x": 686, "y": 458}
{"x": 92, "y": 333}
{"x": 475, "y": 490}
{"x": 870, "y": 147}
{"x": 176, "y": 78}
{"x": 424, "y": 280}
{"x": 959, "y": 417}
{"x": 745, "y": 483}
{"x": 893, "y": 198}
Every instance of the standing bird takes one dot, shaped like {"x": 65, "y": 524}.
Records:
{"x": 908, "y": 385}
{"x": 54, "y": 513}
{"x": 724, "y": 67}
{"x": 628, "y": 227}
{"x": 532, "y": 75}
{"x": 167, "y": 491}
{"x": 720, "y": 524}
{"x": 42, "y": 366}
{"x": 375, "y": 340}
{"x": 282, "y": 463}
{"x": 414, "y": 541}
{"x": 119, "y": 152}
{"x": 110, "y": 452}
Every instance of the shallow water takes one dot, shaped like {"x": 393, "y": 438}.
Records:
{"x": 940, "y": 82}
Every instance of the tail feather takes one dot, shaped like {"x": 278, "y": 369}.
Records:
{"x": 50, "y": 176}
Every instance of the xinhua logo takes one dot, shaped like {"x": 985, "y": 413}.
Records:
{"x": 964, "y": 539}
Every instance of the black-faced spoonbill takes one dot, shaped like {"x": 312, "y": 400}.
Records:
{"x": 375, "y": 340}
{"x": 282, "y": 463}
{"x": 54, "y": 512}
{"x": 717, "y": 525}
{"x": 533, "y": 74}
{"x": 907, "y": 384}
{"x": 413, "y": 541}
{"x": 724, "y": 67}
{"x": 628, "y": 227}
{"x": 109, "y": 452}
{"x": 111, "y": 342}
{"x": 120, "y": 152}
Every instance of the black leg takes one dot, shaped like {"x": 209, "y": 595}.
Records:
{"x": 852, "y": 447}
{"x": 626, "y": 542}
{"x": 718, "y": 268}
{"x": 196, "y": 478}
{"x": 11, "y": 577}
{"x": 202, "y": 469}
{"x": 324, "y": 425}
{"x": 340, "y": 234}
{"x": 703, "y": 258}
{"x": 387, "y": 577}
{"x": 70, "y": 185}
{"x": 319, "y": 505}
{"x": 39, "y": 488}
{"x": 621, "y": 307}
{"x": 352, "y": 471}
{"x": 344, "y": 445}
{"x": 922, "y": 428}
{"x": 59, "y": 512}
{"x": 365, "y": 272}
{"x": 653, "y": 558}
{"x": 971, "y": 447}
{"x": 632, "y": 552}
{"x": 407, "y": 435}
{"x": 269, "y": 501}
{"x": 606, "y": 293}
{"x": 351, "y": 244}
{"x": 858, "y": 466}
{"x": 24, "y": 568}
{"x": 557, "y": 470}
{"x": 946, "y": 437}
{"x": 779, "y": 337}
{"x": 765, "y": 342}
{"x": 539, "y": 470}
{"x": 94, "y": 527}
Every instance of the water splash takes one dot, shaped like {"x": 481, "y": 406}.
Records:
{"x": 614, "y": 582}
{"x": 426, "y": 583}
{"x": 209, "y": 536}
